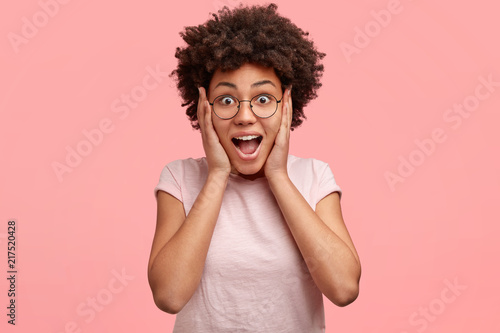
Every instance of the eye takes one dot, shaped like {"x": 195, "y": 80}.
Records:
{"x": 226, "y": 100}
{"x": 263, "y": 99}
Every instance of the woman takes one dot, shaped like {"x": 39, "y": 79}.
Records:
{"x": 249, "y": 237}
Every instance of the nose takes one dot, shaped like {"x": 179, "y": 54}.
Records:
{"x": 245, "y": 115}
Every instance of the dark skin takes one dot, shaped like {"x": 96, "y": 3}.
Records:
{"x": 181, "y": 242}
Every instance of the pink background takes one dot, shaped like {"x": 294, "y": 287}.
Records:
{"x": 436, "y": 226}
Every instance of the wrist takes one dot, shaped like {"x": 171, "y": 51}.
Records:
{"x": 277, "y": 178}
{"x": 219, "y": 177}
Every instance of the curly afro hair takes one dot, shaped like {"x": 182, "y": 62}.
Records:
{"x": 254, "y": 34}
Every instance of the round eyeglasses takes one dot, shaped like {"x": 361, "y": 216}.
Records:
{"x": 227, "y": 106}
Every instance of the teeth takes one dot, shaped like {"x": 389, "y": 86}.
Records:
{"x": 247, "y": 137}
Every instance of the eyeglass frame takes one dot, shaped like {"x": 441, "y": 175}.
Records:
{"x": 247, "y": 100}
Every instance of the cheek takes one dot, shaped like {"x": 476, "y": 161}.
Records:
{"x": 218, "y": 126}
{"x": 274, "y": 125}
{"x": 221, "y": 130}
{"x": 271, "y": 133}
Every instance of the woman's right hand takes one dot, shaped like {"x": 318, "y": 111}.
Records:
{"x": 181, "y": 241}
{"x": 217, "y": 159}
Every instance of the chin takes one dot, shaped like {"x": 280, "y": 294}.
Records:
{"x": 252, "y": 170}
{"x": 250, "y": 165}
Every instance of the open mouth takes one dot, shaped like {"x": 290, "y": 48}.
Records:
{"x": 247, "y": 144}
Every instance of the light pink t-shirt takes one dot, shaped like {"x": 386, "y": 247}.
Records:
{"x": 255, "y": 279}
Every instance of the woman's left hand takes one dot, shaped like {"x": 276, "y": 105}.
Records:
{"x": 276, "y": 164}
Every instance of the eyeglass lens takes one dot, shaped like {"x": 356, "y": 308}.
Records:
{"x": 264, "y": 105}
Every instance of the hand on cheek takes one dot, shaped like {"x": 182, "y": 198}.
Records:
{"x": 217, "y": 159}
{"x": 276, "y": 163}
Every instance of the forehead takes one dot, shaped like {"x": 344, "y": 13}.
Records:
{"x": 245, "y": 77}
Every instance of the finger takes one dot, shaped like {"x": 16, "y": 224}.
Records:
{"x": 282, "y": 135}
{"x": 208, "y": 115}
{"x": 203, "y": 110}
{"x": 207, "y": 112}
{"x": 290, "y": 107}
{"x": 286, "y": 118}
{"x": 286, "y": 115}
{"x": 200, "y": 109}
{"x": 203, "y": 94}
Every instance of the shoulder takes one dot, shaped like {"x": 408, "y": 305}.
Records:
{"x": 184, "y": 171}
{"x": 185, "y": 166}
{"x": 301, "y": 165}
{"x": 187, "y": 163}
{"x": 181, "y": 176}
{"x": 307, "y": 171}
{"x": 312, "y": 177}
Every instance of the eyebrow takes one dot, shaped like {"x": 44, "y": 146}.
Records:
{"x": 254, "y": 85}
{"x": 261, "y": 83}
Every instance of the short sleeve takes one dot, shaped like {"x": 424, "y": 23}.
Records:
{"x": 169, "y": 182}
{"x": 327, "y": 183}
{"x": 313, "y": 178}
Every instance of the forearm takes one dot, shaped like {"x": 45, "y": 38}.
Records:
{"x": 176, "y": 271}
{"x": 333, "y": 264}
